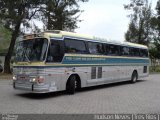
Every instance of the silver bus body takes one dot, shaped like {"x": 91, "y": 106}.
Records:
{"x": 89, "y": 69}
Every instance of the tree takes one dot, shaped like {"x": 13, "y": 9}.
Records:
{"x": 155, "y": 22}
{"x": 14, "y": 13}
{"x": 57, "y": 14}
{"x": 139, "y": 30}
{"x": 5, "y": 37}
{"x": 61, "y": 14}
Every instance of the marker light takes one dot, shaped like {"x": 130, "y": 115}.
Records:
{"x": 38, "y": 79}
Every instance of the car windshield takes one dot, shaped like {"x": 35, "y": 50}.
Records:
{"x": 31, "y": 50}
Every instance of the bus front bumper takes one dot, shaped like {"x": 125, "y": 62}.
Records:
{"x": 34, "y": 88}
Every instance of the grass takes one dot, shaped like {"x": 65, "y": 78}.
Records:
{"x": 154, "y": 69}
{"x": 4, "y": 76}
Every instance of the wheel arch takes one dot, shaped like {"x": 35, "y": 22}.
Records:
{"x": 134, "y": 74}
{"x": 78, "y": 79}
{"x": 135, "y": 71}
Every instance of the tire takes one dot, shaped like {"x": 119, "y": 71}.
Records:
{"x": 71, "y": 85}
{"x": 134, "y": 77}
{"x": 1, "y": 68}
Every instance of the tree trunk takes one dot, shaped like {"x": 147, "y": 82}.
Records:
{"x": 11, "y": 48}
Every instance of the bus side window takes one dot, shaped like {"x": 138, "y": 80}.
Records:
{"x": 124, "y": 51}
{"x": 92, "y": 48}
{"x": 143, "y": 53}
{"x": 75, "y": 46}
{"x": 55, "y": 52}
{"x": 113, "y": 50}
{"x": 100, "y": 48}
{"x": 95, "y": 48}
{"x": 106, "y": 47}
{"x": 136, "y": 52}
{"x": 131, "y": 52}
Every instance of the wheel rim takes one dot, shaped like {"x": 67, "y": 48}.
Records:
{"x": 75, "y": 83}
{"x": 134, "y": 78}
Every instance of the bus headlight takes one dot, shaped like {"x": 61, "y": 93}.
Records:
{"x": 33, "y": 80}
{"x": 38, "y": 79}
{"x": 14, "y": 78}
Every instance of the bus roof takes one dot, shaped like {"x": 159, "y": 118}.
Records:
{"x": 60, "y": 34}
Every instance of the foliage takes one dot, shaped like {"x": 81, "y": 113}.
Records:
{"x": 5, "y": 36}
{"x": 5, "y": 76}
{"x": 61, "y": 14}
{"x": 153, "y": 53}
{"x": 56, "y": 14}
{"x": 14, "y": 13}
{"x": 139, "y": 30}
{"x": 154, "y": 69}
{"x": 155, "y": 24}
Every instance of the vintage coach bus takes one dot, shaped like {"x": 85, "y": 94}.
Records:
{"x": 58, "y": 60}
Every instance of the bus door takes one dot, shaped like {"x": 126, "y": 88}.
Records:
{"x": 55, "y": 51}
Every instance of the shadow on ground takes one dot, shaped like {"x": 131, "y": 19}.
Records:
{"x": 41, "y": 95}
{"x": 109, "y": 85}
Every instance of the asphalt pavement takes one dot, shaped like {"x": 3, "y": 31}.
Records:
{"x": 138, "y": 98}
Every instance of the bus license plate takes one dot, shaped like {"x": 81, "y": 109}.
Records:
{"x": 23, "y": 77}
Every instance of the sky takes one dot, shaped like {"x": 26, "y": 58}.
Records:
{"x": 105, "y": 18}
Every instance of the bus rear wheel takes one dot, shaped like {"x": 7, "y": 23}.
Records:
{"x": 134, "y": 77}
{"x": 71, "y": 85}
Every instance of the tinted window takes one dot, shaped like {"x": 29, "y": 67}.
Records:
{"x": 106, "y": 47}
{"x": 55, "y": 51}
{"x": 75, "y": 46}
{"x": 95, "y": 48}
{"x": 125, "y": 51}
{"x": 131, "y": 51}
{"x": 113, "y": 49}
{"x": 136, "y": 52}
{"x": 143, "y": 53}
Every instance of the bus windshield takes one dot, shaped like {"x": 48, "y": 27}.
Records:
{"x": 31, "y": 50}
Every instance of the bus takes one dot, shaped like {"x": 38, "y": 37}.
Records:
{"x": 58, "y": 60}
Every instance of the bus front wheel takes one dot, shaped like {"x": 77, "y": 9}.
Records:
{"x": 71, "y": 84}
{"x": 134, "y": 77}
